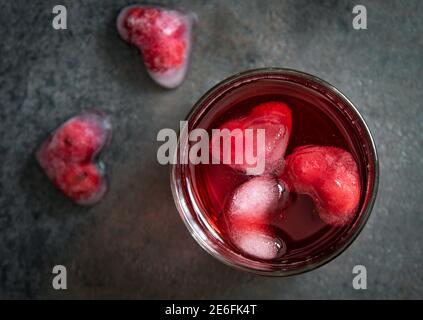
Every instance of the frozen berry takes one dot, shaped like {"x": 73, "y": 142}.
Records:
{"x": 276, "y": 121}
{"x": 68, "y": 157}
{"x": 79, "y": 139}
{"x": 330, "y": 176}
{"x": 163, "y": 36}
{"x": 83, "y": 183}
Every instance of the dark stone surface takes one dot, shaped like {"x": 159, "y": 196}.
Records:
{"x": 133, "y": 244}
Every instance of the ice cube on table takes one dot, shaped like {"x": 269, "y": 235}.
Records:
{"x": 69, "y": 156}
{"x": 164, "y": 37}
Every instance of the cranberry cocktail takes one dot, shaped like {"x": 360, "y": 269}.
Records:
{"x": 316, "y": 187}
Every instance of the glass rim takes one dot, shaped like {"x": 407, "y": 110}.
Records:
{"x": 270, "y": 73}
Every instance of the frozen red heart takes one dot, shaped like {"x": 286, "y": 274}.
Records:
{"x": 276, "y": 120}
{"x": 247, "y": 217}
{"x": 163, "y": 36}
{"x": 330, "y": 176}
{"x": 68, "y": 157}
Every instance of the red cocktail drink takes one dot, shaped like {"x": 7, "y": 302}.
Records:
{"x": 315, "y": 192}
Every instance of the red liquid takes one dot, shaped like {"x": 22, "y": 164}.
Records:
{"x": 316, "y": 122}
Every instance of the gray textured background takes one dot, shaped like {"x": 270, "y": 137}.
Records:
{"x": 133, "y": 244}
